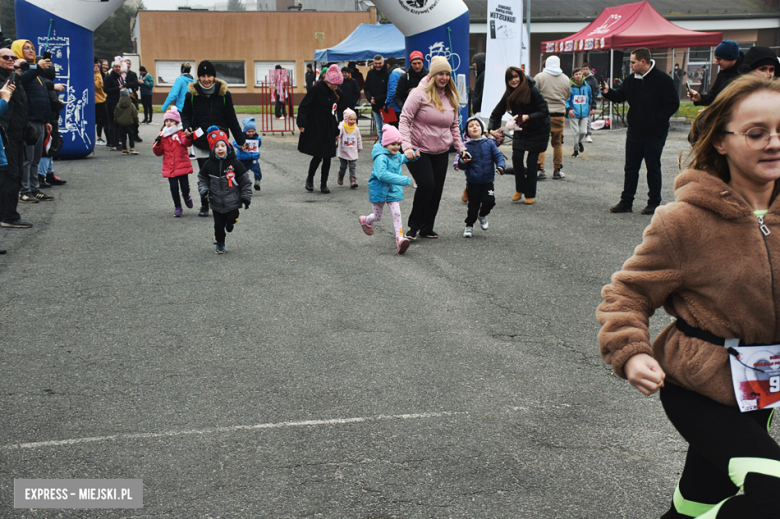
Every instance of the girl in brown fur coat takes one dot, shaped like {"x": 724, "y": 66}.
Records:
{"x": 712, "y": 260}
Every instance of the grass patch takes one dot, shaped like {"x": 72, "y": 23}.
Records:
{"x": 688, "y": 110}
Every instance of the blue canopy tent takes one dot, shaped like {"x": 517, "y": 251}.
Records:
{"x": 364, "y": 43}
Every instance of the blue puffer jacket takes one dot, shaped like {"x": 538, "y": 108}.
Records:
{"x": 392, "y": 85}
{"x": 387, "y": 181}
{"x": 485, "y": 158}
{"x": 581, "y": 110}
{"x": 38, "y": 102}
{"x": 178, "y": 92}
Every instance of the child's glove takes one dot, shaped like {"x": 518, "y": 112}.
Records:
{"x": 500, "y": 170}
{"x": 246, "y": 203}
{"x": 158, "y": 140}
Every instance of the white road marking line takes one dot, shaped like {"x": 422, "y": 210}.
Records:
{"x": 167, "y": 434}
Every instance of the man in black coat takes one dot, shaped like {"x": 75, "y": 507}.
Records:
{"x": 12, "y": 125}
{"x": 375, "y": 89}
{"x": 311, "y": 77}
{"x": 349, "y": 93}
{"x": 479, "y": 84}
{"x": 131, "y": 83}
{"x": 411, "y": 79}
{"x": 112, "y": 84}
{"x": 652, "y": 101}
{"x": 729, "y": 58}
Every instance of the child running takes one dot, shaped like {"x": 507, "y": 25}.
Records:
{"x": 480, "y": 169}
{"x": 350, "y": 144}
{"x": 386, "y": 184}
{"x": 227, "y": 184}
{"x": 579, "y": 111}
{"x": 249, "y": 156}
{"x": 172, "y": 144}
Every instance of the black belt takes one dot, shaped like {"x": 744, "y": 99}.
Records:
{"x": 558, "y": 115}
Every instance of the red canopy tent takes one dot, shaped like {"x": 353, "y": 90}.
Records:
{"x": 631, "y": 26}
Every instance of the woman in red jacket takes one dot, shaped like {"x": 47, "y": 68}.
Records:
{"x": 172, "y": 144}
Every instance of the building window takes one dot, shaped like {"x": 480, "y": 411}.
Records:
{"x": 168, "y": 71}
{"x": 263, "y": 70}
{"x": 231, "y": 72}
{"x": 699, "y": 54}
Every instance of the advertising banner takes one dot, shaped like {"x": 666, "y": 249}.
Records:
{"x": 504, "y": 48}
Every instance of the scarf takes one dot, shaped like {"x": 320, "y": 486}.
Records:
{"x": 349, "y": 128}
{"x": 207, "y": 92}
{"x": 573, "y": 82}
{"x": 170, "y": 130}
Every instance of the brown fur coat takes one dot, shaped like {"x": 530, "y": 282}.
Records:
{"x": 702, "y": 258}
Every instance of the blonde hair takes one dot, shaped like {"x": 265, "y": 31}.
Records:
{"x": 711, "y": 123}
{"x": 450, "y": 90}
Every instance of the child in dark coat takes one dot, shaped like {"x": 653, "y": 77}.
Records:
{"x": 227, "y": 184}
{"x": 126, "y": 117}
{"x": 480, "y": 172}
{"x": 249, "y": 156}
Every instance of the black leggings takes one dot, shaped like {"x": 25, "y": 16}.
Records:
{"x": 176, "y": 182}
{"x": 101, "y": 119}
{"x": 314, "y": 164}
{"x": 728, "y": 451}
{"x": 204, "y": 199}
{"x": 220, "y": 219}
{"x": 525, "y": 177}
{"x": 429, "y": 171}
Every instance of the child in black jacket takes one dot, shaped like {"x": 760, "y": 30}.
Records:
{"x": 227, "y": 184}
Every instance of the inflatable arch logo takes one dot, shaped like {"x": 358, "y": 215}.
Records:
{"x": 64, "y": 28}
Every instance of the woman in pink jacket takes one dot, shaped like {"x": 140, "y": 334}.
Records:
{"x": 172, "y": 144}
{"x": 429, "y": 123}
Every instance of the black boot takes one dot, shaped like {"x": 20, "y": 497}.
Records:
{"x": 324, "y": 183}
{"x": 53, "y": 180}
{"x": 309, "y": 184}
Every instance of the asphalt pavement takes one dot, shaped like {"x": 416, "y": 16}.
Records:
{"x": 312, "y": 372}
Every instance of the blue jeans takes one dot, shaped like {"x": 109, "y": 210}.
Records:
{"x": 649, "y": 149}
{"x": 45, "y": 166}
{"x": 378, "y": 121}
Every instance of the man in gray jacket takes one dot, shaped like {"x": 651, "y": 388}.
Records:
{"x": 556, "y": 88}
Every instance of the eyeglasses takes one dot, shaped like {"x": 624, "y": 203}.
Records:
{"x": 12, "y": 58}
{"x": 757, "y": 138}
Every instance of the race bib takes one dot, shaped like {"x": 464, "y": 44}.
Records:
{"x": 755, "y": 373}
{"x": 251, "y": 145}
{"x": 349, "y": 140}
{"x": 580, "y": 100}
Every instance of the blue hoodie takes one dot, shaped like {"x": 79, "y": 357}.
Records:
{"x": 585, "y": 95}
{"x": 178, "y": 92}
{"x": 387, "y": 181}
{"x": 249, "y": 158}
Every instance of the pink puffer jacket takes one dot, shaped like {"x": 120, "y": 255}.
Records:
{"x": 173, "y": 149}
{"x": 424, "y": 127}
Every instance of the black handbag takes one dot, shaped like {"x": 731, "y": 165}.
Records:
{"x": 31, "y": 134}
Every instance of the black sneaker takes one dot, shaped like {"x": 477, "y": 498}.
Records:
{"x": 429, "y": 234}
{"x": 324, "y": 189}
{"x": 204, "y": 211}
{"x": 16, "y": 224}
{"x": 541, "y": 175}
{"x": 42, "y": 183}
{"x": 229, "y": 226}
{"x": 576, "y": 153}
{"x": 621, "y": 207}
{"x": 582, "y": 148}
{"x": 54, "y": 180}
{"x": 650, "y": 209}
{"x": 309, "y": 185}
{"x": 411, "y": 234}
{"x": 28, "y": 199}
{"x": 43, "y": 197}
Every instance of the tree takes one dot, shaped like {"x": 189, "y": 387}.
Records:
{"x": 8, "y": 18}
{"x": 113, "y": 37}
{"x": 236, "y": 5}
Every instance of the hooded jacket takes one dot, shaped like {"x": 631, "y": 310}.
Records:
{"x": 406, "y": 83}
{"x": 226, "y": 181}
{"x": 172, "y": 147}
{"x": 579, "y": 100}
{"x": 703, "y": 258}
{"x": 479, "y": 84}
{"x": 14, "y": 120}
{"x": 100, "y": 96}
{"x": 725, "y": 77}
{"x": 386, "y": 181}
{"x": 200, "y": 111}
{"x": 485, "y": 158}
{"x": 536, "y": 131}
{"x": 125, "y": 113}
{"x": 178, "y": 92}
{"x": 556, "y": 89}
{"x": 758, "y": 57}
{"x": 394, "y": 76}
{"x": 426, "y": 128}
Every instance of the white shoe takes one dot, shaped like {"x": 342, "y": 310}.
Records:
{"x": 468, "y": 231}
{"x": 588, "y": 139}
{"x": 100, "y": 142}
{"x": 483, "y": 222}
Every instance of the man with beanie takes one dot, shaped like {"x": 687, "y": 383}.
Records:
{"x": 375, "y": 89}
{"x": 556, "y": 88}
{"x": 761, "y": 61}
{"x": 652, "y": 101}
{"x": 410, "y": 80}
{"x": 729, "y": 58}
{"x": 146, "y": 83}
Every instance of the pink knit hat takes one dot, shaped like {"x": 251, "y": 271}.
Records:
{"x": 348, "y": 112}
{"x": 333, "y": 75}
{"x": 390, "y": 134}
{"x": 172, "y": 114}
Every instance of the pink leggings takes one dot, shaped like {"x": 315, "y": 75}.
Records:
{"x": 395, "y": 208}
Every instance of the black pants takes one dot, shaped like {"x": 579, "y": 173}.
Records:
{"x": 525, "y": 177}
{"x": 101, "y": 119}
{"x": 148, "y": 110}
{"x": 281, "y": 110}
{"x": 649, "y": 149}
{"x": 314, "y": 164}
{"x": 136, "y": 126}
{"x": 11, "y": 181}
{"x": 429, "y": 171}
{"x": 204, "y": 199}
{"x": 481, "y": 201}
{"x": 126, "y": 133}
{"x": 112, "y": 138}
{"x": 220, "y": 219}
{"x": 176, "y": 182}
{"x": 724, "y": 446}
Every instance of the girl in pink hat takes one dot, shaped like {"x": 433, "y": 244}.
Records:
{"x": 171, "y": 144}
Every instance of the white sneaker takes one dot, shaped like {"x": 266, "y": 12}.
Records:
{"x": 588, "y": 139}
{"x": 483, "y": 222}
{"x": 468, "y": 231}
{"x": 100, "y": 142}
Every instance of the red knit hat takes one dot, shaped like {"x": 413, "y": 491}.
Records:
{"x": 416, "y": 55}
{"x": 214, "y": 136}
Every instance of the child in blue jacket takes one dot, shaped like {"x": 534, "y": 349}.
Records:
{"x": 579, "y": 109}
{"x": 249, "y": 157}
{"x": 480, "y": 172}
{"x": 386, "y": 184}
